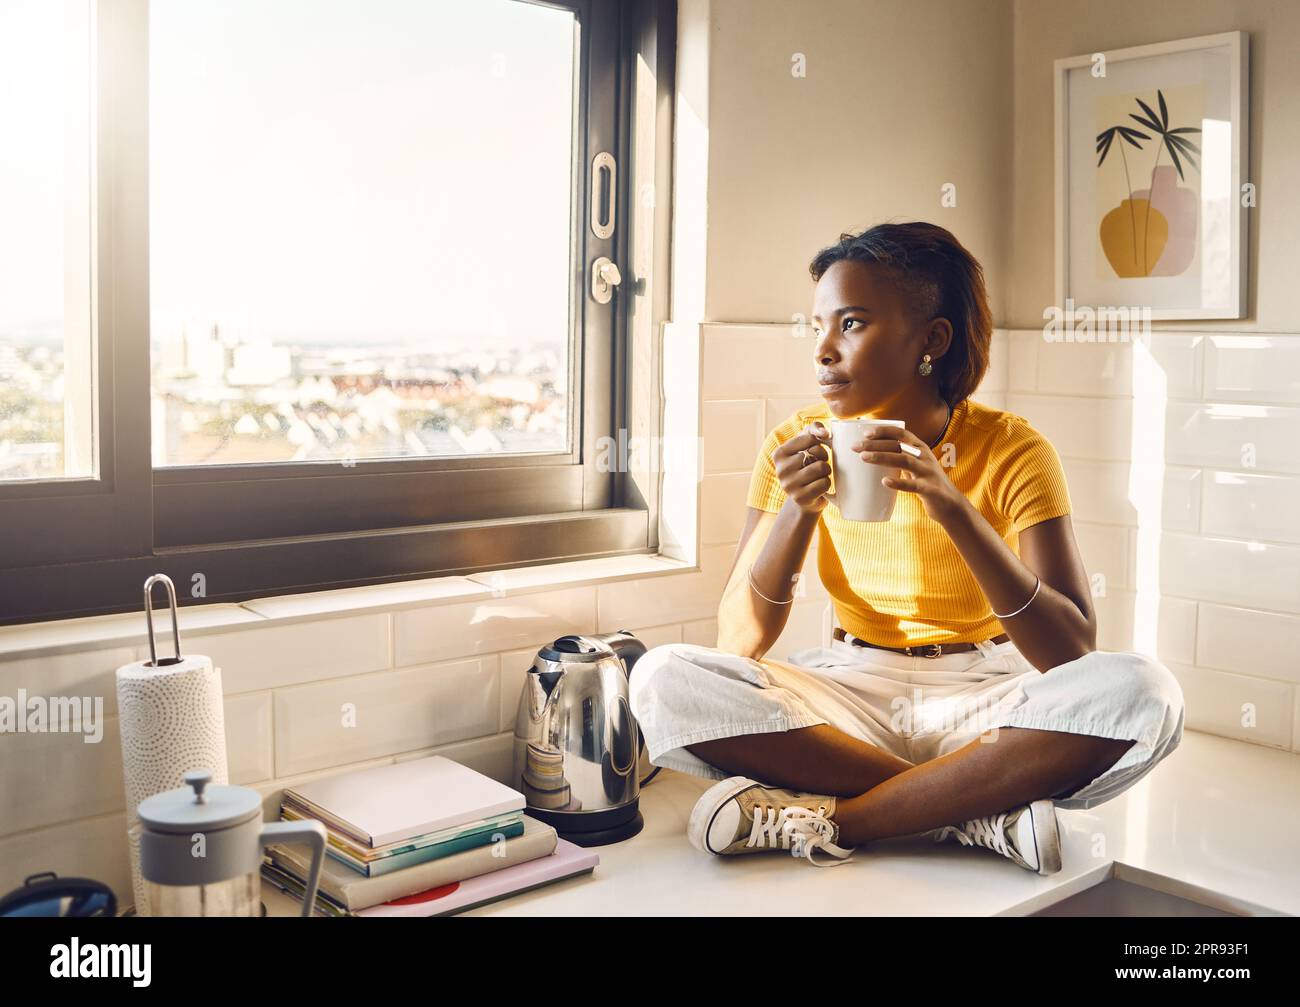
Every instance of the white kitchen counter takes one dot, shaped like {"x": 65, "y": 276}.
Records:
{"x": 1217, "y": 822}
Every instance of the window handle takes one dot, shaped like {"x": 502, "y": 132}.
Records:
{"x": 604, "y": 175}
{"x": 605, "y": 276}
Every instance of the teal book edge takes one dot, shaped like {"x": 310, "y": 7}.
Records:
{"x": 387, "y": 865}
{"x": 290, "y": 811}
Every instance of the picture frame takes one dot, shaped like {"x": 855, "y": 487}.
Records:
{"x": 1169, "y": 118}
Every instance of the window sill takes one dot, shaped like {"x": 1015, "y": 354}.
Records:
{"x": 46, "y": 639}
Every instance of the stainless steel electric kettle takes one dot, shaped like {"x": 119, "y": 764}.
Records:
{"x": 578, "y": 750}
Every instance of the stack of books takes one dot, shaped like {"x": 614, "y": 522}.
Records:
{"x": 425, "y": 837}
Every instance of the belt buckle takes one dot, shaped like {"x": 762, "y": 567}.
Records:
{"x": 931, "y": 650}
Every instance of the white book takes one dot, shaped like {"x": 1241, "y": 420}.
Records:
{"x": 388, "y": 804}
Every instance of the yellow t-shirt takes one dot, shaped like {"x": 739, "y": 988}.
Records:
{"x": 902, "y": 582}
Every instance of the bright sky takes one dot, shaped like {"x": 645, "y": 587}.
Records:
{"x": 32, "y": 118}
{"x": 330, "y": 168}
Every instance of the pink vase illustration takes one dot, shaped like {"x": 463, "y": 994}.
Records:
{"x": 1179, "y": 207}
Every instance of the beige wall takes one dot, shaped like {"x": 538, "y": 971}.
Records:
{"x": 900, "y": 97}
{"x": 1046, "y": 30}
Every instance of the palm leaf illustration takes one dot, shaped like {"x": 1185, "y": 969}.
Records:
{"x": 1130, "y": 135}
{"x": 1171, "y": 139}
{"x": 1151, "y": 121}
{"x": 1107, "y": 137}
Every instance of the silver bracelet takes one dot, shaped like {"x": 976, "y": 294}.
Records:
{"x": 1038, "y": 583}
{"x": 761, "y": 594}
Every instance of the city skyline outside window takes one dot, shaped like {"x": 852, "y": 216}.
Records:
{"x": 360, "y": 229}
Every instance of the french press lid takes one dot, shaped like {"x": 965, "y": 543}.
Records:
{"x": 200, "y": 806}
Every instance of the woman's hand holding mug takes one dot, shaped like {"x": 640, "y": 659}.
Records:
{"x": 923, "y": 475}
{"x": 804, "y": 469}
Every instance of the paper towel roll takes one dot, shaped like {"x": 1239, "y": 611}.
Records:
{"x": 172, "y": 721}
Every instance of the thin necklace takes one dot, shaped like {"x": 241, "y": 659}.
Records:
{"x": 945, "y": 426}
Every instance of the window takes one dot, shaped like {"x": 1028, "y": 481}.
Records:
{"x": 46, "y": 359}
{"x": 328, "y": 306}
{"x": 345, "y": 264}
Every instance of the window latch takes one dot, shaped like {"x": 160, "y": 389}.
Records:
{"x": 604, "y": 278}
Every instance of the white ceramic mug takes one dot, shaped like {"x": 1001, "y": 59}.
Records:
{"x": 859, "y": 493}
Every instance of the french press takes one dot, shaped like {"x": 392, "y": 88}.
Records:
{"x": 201, "y": 849}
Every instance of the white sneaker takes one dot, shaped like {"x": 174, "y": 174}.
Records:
{"x": 740, "y": 815}
{"x": 1027, "y": 835}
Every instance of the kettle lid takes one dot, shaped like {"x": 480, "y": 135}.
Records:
{"x": 576, "y": 647}
{"x": 199, "y": 806}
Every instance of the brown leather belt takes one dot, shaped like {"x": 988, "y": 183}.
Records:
{"x": 922, "y": 650}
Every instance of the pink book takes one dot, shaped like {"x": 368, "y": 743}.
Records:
{"x": 567, "y": 860}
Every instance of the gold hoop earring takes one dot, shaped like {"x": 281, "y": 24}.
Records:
{"x": 925, "y": 367}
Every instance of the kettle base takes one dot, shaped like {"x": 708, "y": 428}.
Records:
{"x": 593, "y": 828}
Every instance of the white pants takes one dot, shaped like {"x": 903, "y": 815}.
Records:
{"x": 916, "y": 708}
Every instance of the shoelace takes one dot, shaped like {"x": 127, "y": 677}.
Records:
{"x": 987, "y": 832}
{"x": 800, "y": 829}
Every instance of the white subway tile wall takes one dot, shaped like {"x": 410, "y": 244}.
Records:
{"x": 250, "y": 737}
{"x": 423, "y": 635}
{"x": 1252, "y": 368}
{"x": 345, "y": 720}
{"x": 722, "y": 507}
{"x": 1182, "y": 452}
{"x": 1245, "y": 707}
{"x": 733, "y": 432}
{"x": 1194, "y": 552}
{"x": 88, "y": 673}
{"x": 268, "y": 657}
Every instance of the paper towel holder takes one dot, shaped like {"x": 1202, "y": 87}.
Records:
{"x": 162, "y": 578}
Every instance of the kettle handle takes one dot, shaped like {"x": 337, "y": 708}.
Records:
{"x": 310, "y": 832}
{"x": 628, "y": 649}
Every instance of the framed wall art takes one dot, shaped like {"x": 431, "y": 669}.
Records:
{"x": 1151, "y": 197}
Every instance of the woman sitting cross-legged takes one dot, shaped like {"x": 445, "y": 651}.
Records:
{"x": 963, "y": 694}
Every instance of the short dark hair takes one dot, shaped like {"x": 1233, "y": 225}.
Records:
{"x": 941, "y": 279}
